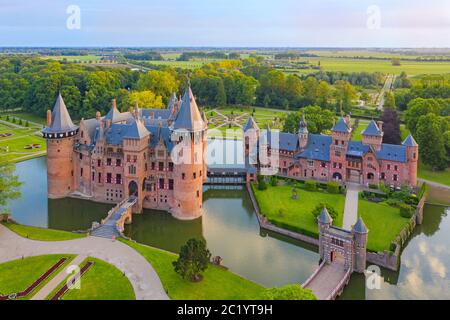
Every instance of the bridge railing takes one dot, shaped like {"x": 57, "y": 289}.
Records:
{"x": 340, "y": 286}
{"x": 313, "y": 275}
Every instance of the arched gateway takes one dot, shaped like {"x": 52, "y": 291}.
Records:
{"x": 133, "y": 189}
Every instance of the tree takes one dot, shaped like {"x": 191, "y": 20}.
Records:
{"x": 193, "y": 260}
{"x": 145, "y": 99}
{"x": 317, "y": 119}
{"x": 288, "y": 292}
{"x": 431, "y": 141}
{"x": 161, "y": 83}
{"x": 417, "y": 108}
{"x": 318, "y": 209}
{"x": 389, "y": 100}
{"x": 391, "y": 127}
{"x": 9, "y": 184}
{"x": 323, "y": 94}
{"x": 345, "y": 94}
{"x": 395, "y": 62}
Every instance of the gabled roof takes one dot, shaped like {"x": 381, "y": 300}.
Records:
{"x": 61, "y": 121}
{"x": 341, "y": 126}
{"x": 160, "y": 133}
{"x": 409, "y": 141}
{"x": 136, "y": 130}
{"x": 360, "y": 227}
{"x": 372, "y": 129}
{"x": 113, "y": 114}
{"x": 325, "y": 217}
{"x": 392, "y": 152}
{"x": 251, "y": 124}
{"x": 357, "y": 148}
{"x": 119, "y": 131}
{"x": 318, "y": 148}
{"x": 188, "y": 117}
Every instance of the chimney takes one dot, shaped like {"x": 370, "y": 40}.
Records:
{"x": 380, "y": 125}
{"x": 49, "y": 118}
{"x": 98, "y": 115}
{"x": 113, "y": 104}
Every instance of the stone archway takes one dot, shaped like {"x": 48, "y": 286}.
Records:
{"x": 337, "y": 176}
{"x": 133, "y": 189}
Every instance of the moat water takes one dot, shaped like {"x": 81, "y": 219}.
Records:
{"x": 231, "y": 229}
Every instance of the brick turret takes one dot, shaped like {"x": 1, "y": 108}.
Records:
{"x": 60, "y": 135}
{"x": 189, "y": 134}
{"x": 412, "y": 155}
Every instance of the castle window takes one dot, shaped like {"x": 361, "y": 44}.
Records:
{"x": 108, "y": 177}
{"x": 161, "y": 166}
{"x": 342, "y": 142}
{"x": 81, "y": 172}
{"x": 337, "y": 153}
{"x": 153, "y": 166}
{"x": 170, "y": 184}
{"x": 323, "y": 164}
{"x": 71, "y": 173}
{"x": 395, "y": 177}
{"x": 389, "y": 167}
{"x": 194, "y": 175}
{"x": 93, "y": 176}
{"x": 99, "y": 163}
{"x": 395, "y": 168}
{"x": 310, "y": 163}
{"x": 198, "y": 194}
{"x": 171, "y": 166}
{"x": 108, "y": 161}
{"x": 118, "y": 162}
{"x": 414, "y": 155}
{"x": 200, "y": 173}
{"x": 132, "y": 170}
{"x": 383, "y": 176}
{"x": 183, "y": 176}
{"x": 134, "y": 159}
{"x": 81, "y": 156}
{"x": 161, "y": 183}
{"x": 340, "y": 165}
{"x": 336, "y": 142}
{"x": 82, "y": 134}
{"x": 128, "y": 158}
{"x": 145, "y": 166}
{"x": 118, "y": 178}
{"x": 99, "y": 177}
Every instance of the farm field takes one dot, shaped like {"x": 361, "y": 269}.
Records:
{"x": 75, "y": 58}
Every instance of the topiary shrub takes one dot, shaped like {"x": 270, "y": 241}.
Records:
{"x": 331, "y": 211}
{"x": 310, "y": 185}
{"x": 333, "y": 187}
{"x": 406, "y": 211}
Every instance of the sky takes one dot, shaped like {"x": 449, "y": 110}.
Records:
{"x": 226, "y": 23}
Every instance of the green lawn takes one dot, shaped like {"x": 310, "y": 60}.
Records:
{"x": 384, "y": 223}
{"x": 217, "y": 284}
{"x": 42, "y": 234}
{"x": 102, "y": 281}
{"x": 425, "y": 172}
{"x": 30, "y": 117}
{"x": 277, "y": 205}
{"x": 17, "y": 275}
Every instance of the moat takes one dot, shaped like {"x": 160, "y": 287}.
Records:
{"x": 231, "y": 230}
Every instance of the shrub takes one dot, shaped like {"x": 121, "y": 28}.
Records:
{"x": 373, "y": 186}
{"x": 261, "y": 183}
{"x": 27, "y": 124}
{"x": 333, "y": 187}
{"x": 310, "y": 185}
{"x": 273, "y": 181}
{"x": 318, "y": 209}
{"x": 406, "y": 211}
{"x": 394, "y": 202}
{"x": 288, "y": 292}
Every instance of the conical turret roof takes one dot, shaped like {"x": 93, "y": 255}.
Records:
{"x": 325, "y": 217}
{"x": 61, "y": 121}
{"x": 372, "y": 129}
{"x": 409, "y": 141}
{"x": 360, "y": 227}
{"x": 188, "y": 117}
{"x": 251, "y": 124}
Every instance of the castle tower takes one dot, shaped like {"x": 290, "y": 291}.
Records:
{"x": 341, "y": 134}
{"x": 412, "y": 155}
{"x": 302, "y": 133}
{"x": 60, "y": 134}
{"x": 251, "y": 136}
{"x": 360, "y": 233}
{"x": 373, "y": 135}
{"x": 189, "y": 134}
{"x": 324, "y": 221}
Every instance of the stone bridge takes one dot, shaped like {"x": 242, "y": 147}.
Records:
{"x": 114, "y": 223}
{"x": 342, "y": 252}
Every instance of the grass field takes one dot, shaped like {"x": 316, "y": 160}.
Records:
{"x": 217, "y": 284}
{"x": 12, "y": 148}
{"x": 102, "y": 281}
{"x": 277, "y": 205}
{"x": 86, "y": 58}
{"x": 17, "y": 275}
{"x": 384, "y": 223}
{"x": 42, "y": 234}
{"x": 442, "y": 177}
{"x": 411, "y": 68}
{"x": 30, "y": 117}
{"x": 180, "y": 64}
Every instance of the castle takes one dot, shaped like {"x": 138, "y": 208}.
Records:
{"x": 154, "y": 155}
{"x": 333, "y": 157}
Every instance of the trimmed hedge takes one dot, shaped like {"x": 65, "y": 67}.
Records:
{"x": 310, "y": 185}
{"x": 333, "y": 187}
{"x": 406, "y": 211}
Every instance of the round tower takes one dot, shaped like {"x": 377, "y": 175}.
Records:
{"x": 60, "y": 134}
{"x": 324, "y": 221}
{"x": 412, "y": 156}
{"x": 360, "y": 234}
{"x": 189, "y": 134}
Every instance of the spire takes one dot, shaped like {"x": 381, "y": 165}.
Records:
{"x": 113, "y": 114}
{"x": 360, "y": 227}
{"x": 325, "y": 217}
{"x": 188, "y": 117}
{"x": 302, "y": 125}
{"x": 172, "y": 101}
{"x": 341, "y": 126}
{"x": 251, "y": 124}
{"x": 409, "y": 141}
{"x": 60, "y": 118}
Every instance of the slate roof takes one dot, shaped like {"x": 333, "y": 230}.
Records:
{"x": 91, "y": 126}
{"x": 318, "y": 148}
{"x": 360, "y": 227}
{"x": 61, "y": 121}
{"x": 136, "y": 130}
{"x": 341, "y": 126}
{"x": 162, "y": 114}
{"x": 409, "y": 141}
{"x": 113, "y": 114}
{"x": 372, "y": 129}
{"x": 392, "y": 152}
{"x": 119, "y": 131}
{"x": 188, "y": 117}
{"x": 158, "y": 133}
{"x": 251, "y": 124}
{"x": 357, "y": 148}
{"x": 324, "y": 216}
